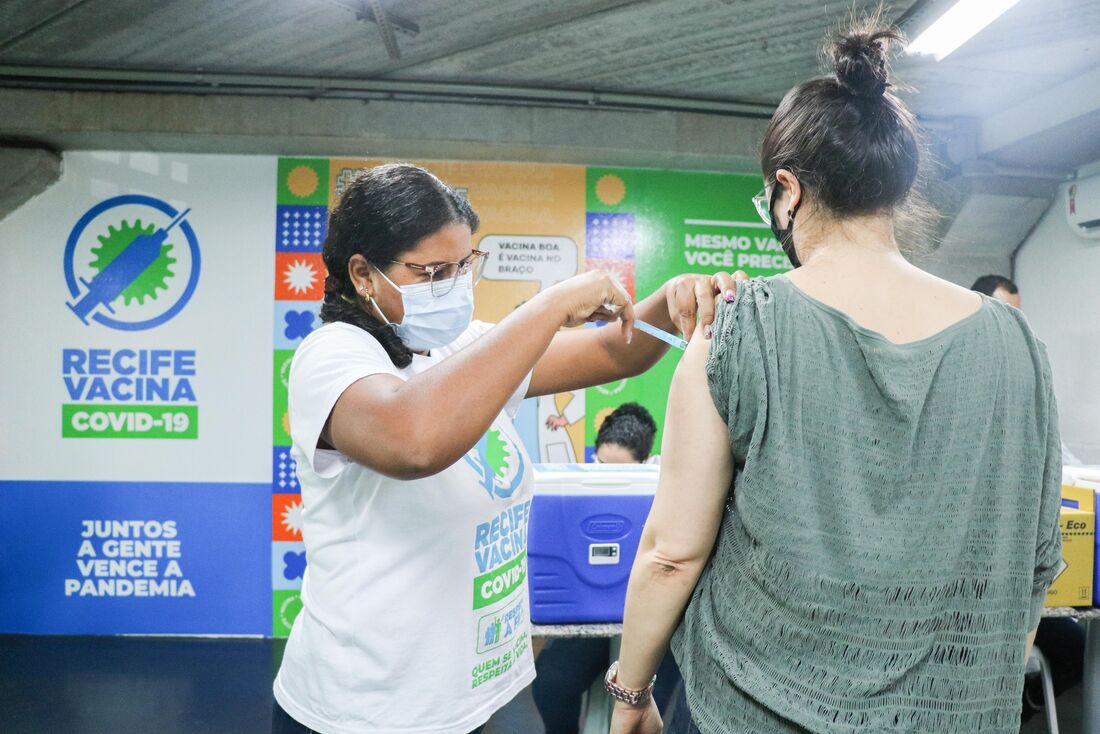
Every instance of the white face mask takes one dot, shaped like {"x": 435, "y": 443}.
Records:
{"x": 432, "y": 322}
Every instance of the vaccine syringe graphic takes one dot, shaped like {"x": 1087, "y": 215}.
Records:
{"x": 122, "y": 271}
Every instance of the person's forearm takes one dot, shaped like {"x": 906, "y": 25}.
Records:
{"x": 658, "y": 592}
{"x": 643, "y": 351}
{"x": 450, "y": 406}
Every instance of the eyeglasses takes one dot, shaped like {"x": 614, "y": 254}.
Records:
{"x": 763, "y": 208}
{"x": 443, "y": 276}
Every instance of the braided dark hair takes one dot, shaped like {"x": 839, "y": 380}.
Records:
{"x": 630, "y": 426}
{"x": 384, "y": 212}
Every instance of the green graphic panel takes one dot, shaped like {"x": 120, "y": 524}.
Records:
{"x": 280, "y": 381}
{"x": 303, "y": 181}
{"x": 684, "y": 222}
{"x": 285, "y": 606}
{"x": 129, "y": 421}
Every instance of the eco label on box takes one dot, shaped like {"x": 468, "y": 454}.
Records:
{"x": 1077, "y": 520}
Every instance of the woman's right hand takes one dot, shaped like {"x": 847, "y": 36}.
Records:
{"x": 592, "y": 296}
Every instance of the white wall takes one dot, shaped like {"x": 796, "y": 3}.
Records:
{"x": 1059, "y": 278}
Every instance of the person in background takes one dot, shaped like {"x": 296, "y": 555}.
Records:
{"x": 1003, "y": 289}
{"x": 626, "y": 437}
{"x": 999, "y": 287}
{"x": 566, "y": 667}
{"x": 1061, "y": 640}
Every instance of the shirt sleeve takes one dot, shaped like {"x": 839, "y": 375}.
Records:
{"x": 326, "y": 364}
{"x": 735, "y": 369}
{"x": 1048, "y": 550}
{"x": 476, "y": 330}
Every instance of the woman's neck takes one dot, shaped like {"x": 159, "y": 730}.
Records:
{"x": 824, "y": 241}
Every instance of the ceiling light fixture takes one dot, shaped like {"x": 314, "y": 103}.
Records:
{"x": 959, "y": 24}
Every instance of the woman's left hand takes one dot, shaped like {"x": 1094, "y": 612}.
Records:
{"x": 627, "y": 719}
{"x": 692, "y": 293}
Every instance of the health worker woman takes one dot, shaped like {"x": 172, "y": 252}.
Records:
{"x": 415, "y": 485}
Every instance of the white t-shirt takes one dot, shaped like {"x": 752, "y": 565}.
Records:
{"x": 414, "y": 604}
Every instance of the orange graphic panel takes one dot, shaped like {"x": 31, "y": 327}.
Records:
{"x": 286, "y": 517}
{"x": 299, "y": 276}
{"x": 532, "y": 222}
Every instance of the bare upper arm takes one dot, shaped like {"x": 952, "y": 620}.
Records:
{"x": 367, "y": 425}
{"x": 696, "y": 466}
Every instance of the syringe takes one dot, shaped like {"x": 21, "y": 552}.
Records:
{"x": 653, "y": 331}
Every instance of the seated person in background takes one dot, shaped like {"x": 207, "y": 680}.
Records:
{"x": 626, "y": 437}
{"x": 1061, "y": 640}
{"x": 566, "y": 668}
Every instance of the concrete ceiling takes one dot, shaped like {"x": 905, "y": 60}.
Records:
{"x": 747, "y": 52}
{"x": 1022, "y": 97}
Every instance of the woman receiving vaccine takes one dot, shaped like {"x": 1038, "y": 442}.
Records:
{"x": 857, "y": 516}
{"x": 415, "y": 485}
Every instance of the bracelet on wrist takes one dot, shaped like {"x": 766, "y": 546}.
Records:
{"x": 626, "y": 695}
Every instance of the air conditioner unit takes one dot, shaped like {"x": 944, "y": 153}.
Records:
{"x": 1082, "y": 206}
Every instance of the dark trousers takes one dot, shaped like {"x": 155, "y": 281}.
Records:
{"x": 681, "y": 722}
{"x": 1063, "y": 643}
{"x": 566, "y": 668}
{"x": 281, "y": 723}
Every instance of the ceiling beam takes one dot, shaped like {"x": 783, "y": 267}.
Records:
{"x": 130, "y": 80}
{"x": 235, "y": 124}
{"x": 1059, "y": 104}
{"x": 28, "y": 171}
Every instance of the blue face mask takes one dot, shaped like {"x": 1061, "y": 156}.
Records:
{"x": 431, "y": 322}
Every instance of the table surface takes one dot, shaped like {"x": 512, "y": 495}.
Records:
{"x": 1075, "y": 612}
{"x": 611, "y": 629}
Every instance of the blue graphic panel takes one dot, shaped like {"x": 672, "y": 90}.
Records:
{"x": 300, "y": 228}
{"x": 294, "y": 321}
{"x": 139, "y": 558}
{"x": 288, "y": 564}
{"x": 609, "y": 236}
{"x": 284, "y": 472}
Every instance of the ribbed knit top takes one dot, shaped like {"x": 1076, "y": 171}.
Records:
{"x": 892, "y": 528}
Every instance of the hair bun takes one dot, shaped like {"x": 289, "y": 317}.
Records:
{"x": 860, "y": 60}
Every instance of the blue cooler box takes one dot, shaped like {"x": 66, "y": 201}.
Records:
{"x": 586, "y": 521}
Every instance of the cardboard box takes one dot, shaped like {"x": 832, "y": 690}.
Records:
{"x": 1074, "y": 586}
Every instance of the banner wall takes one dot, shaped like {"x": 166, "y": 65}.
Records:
{"x": 146, "y": 430}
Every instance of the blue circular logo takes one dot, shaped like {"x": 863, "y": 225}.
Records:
{"x": 122, "y": 268}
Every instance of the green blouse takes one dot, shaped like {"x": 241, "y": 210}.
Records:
{"x": 892, "y": 529}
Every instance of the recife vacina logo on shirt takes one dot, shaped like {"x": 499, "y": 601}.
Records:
{"x": 131, "y": 264}
{"x": 498, "y": 462}
{"x": 500, "y": 557}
